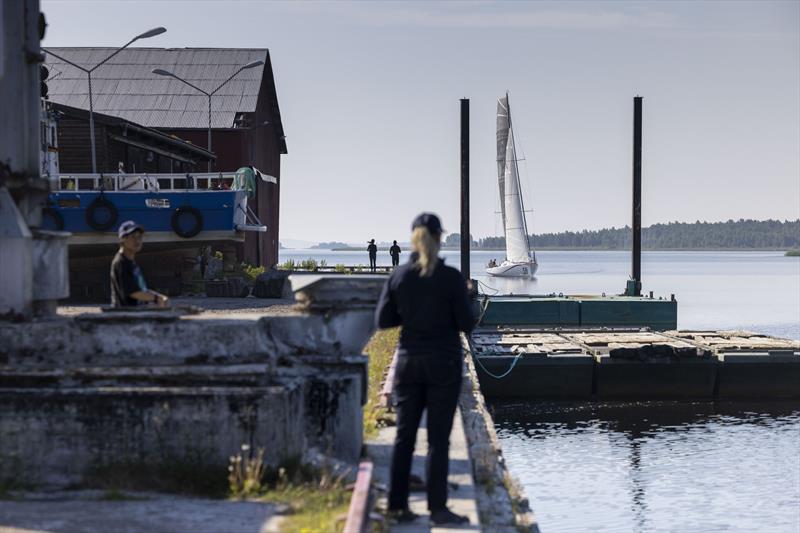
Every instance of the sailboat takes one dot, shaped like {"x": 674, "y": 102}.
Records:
{"x": 520, "y": 260}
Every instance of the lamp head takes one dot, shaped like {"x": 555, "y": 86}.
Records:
{"x": 151, "y": 33}
{"x": 253, "y": 64}
{"x": 162, "y": 72}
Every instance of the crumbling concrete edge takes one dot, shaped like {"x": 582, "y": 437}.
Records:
{"x": 502, "y": 504}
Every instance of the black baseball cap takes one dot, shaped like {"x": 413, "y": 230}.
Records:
{"x": 430, "y": 221}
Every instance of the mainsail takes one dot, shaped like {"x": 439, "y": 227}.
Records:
{"x": 516, "y": 231}
{"x": 502, "y": 141}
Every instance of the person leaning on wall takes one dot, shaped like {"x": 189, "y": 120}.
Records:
{"x": 430, "y": 301}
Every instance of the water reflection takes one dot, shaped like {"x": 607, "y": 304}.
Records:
{"x": 656, "y": 466}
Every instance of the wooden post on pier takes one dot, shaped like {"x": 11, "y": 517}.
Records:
{"x": 465, "y": 235}
{"x": 636, "y": 254}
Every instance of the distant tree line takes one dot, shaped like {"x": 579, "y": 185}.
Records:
{"x": 733, "y": 234}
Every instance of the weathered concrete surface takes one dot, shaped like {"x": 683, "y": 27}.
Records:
{"x": 210, "y": 306}
{"x": 502, "y": 503}
{"x": 59, "y": 437}
{"x": 334, "y": 390}
{"x": 121, "y": 339}
{"x": 155, "y": 393}
{"x": 461, "y": 500}
{"x": 89, "y": 512}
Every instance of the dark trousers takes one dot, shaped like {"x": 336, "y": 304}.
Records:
{"x": 395, "y": 260}
{"x": 424, "y": 383}
{"x": 372, "y": 262}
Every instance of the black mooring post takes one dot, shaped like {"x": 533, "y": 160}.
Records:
{"x": 636, "y": 259}
{"x": 465, "y": 238}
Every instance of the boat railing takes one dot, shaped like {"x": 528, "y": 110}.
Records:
{"x": 136, "y": 182}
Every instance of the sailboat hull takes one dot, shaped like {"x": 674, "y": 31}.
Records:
{"x": 513, "y": 270}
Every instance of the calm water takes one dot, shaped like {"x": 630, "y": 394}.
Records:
{"x": 656, "y": 466}
{"x": 753, "y": 290}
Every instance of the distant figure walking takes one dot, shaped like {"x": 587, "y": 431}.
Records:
{"x": 431, "y": 302}
{"x": 395, "y": 251}
{"x": 373, "y": 255}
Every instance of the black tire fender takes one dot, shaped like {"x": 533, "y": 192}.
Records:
{"x": 198, "y": 221}
{"x": 91, "y": 214}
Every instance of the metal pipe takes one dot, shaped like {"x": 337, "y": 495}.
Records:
{"x": 91, "y": 125}
{"x": 209, "y": 131}
{"x": 465, "y": 236}
{"x": 636, "y": 253}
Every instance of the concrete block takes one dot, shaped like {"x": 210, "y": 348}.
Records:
{"x": 112, "y": 339}
{"x": 653, "y": 379}
{"x": 60, "y": 437}
{"x": 759, "y": 375}
{"x": 537, "y": 376}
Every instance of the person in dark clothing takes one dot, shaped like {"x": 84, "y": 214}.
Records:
{"x": 128, "y": 286}
{"x": 430, "y": 301}
{"x": 373, "y": 255}
{"x": 394, "y": 251}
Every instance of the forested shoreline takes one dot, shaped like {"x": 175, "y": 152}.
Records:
{"x": 731, "y": 235}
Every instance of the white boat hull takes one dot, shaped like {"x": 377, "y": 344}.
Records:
{"x": 513, "y": 270}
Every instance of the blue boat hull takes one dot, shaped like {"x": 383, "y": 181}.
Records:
{"x": 166, "y": 216}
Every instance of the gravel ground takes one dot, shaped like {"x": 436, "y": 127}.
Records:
{"x": 88, "y": 512}
{"x": 210, "y": 306}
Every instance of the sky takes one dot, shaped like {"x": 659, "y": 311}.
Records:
{"x": 369, "y": 96}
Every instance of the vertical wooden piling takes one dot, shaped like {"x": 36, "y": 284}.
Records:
{"x": 636, "y": 254}
{"x": 465, "y": 235}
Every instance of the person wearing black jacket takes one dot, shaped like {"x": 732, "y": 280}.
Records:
{"x": 394, "y": 251}
{"x": 373, "y": 255}
{"x": 430, "y": 301}
{"x": 128, "y": 287}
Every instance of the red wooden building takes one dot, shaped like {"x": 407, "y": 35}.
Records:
{"x": 245, "y": 118}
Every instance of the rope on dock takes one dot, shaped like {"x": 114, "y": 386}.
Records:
{"x": 477, "y": 359}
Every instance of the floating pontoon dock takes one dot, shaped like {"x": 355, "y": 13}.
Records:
{"x": 634, "y": 364}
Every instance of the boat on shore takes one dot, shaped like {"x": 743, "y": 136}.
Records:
{"x": 174, "y": 208}
{"x": 520, "y": 260}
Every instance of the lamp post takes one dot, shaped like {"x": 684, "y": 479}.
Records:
{"x": 162, "y": 72}
{"x": 88, "y": 71}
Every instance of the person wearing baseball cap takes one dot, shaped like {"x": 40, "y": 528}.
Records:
{"x": 128, "y": 287}
{"x": 430, "y": 301}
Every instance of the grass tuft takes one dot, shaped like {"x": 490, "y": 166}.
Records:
{"x": 380, "y": 350}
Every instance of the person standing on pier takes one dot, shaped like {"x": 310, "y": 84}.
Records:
{"x": 430, "y": 301}
{"x": 373, "y": 255}
{"x": 394, "y": 251}
{"x": 128, "y": 287}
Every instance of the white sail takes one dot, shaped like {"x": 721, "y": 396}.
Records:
{"x": 502, "y": 145}
{"x": 516, "y": 237}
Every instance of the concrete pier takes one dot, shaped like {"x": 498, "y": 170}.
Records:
{"x": 159, "y": 393}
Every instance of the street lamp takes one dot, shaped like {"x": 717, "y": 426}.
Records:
{"x": 162, "y": 72}
{"x": 88, "y": 71}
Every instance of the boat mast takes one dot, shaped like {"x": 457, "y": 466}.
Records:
{"x": 519, "y": 183}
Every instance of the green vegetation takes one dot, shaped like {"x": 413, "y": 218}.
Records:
{"x": 314, "y": 497}
{"x": 380, "y": 351}
{"x": 733, "y": 234}
{"x": 252, "y": 272}
{"x": 793, "y": 253}
{"x": 330, "y": 245}
{"x": 309, "y": 264}
{"x": 340, "y": 268}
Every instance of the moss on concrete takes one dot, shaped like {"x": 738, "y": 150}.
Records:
{"x": 380, "y": 350}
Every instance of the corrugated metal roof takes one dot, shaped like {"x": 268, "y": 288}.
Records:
{"x": 126, "y": 87}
